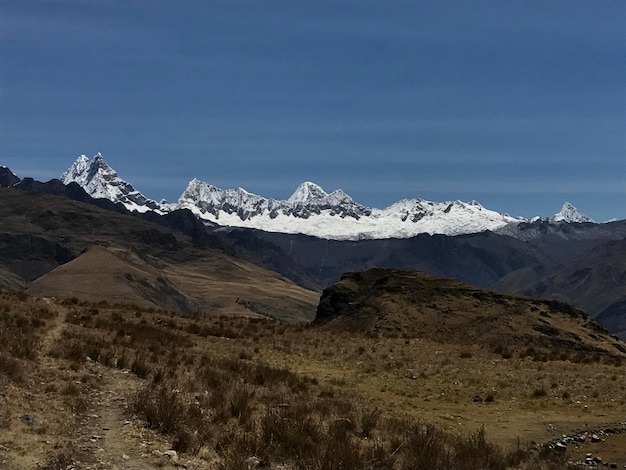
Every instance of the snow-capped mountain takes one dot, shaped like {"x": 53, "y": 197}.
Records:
{"x": 243, "y": 209}
{"x": 310, "y": 199}
{"x": 312, "y": 211}
{"x": 100, "y": 181}
{"x": 570, "y": 214}
{"x": 309, "y": 210}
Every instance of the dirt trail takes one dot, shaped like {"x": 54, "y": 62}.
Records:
{"x": 58, "y": 325}
{"x": 106, "y": 435}
{"x": 102, "y": 437}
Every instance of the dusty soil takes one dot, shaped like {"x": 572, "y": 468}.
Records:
{"x": 73, "y": 419}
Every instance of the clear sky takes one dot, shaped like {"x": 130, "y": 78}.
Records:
{"x": 517, "y": 104}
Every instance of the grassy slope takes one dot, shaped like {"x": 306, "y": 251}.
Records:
{"x": 243, "y": 373}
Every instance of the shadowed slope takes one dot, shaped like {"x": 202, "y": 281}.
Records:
{"x": 593, "y": 281}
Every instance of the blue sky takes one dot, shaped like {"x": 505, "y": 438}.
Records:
{"x": 517, "y": 104}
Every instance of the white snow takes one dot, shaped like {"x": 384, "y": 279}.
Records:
{"x": 570, "y": 214}
{"x": 100, "y": 181}
{"x": 312, "y": 211}
{"x": 309, "y": 210}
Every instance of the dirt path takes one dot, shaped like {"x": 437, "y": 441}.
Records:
{"x": 112, "y": 441}
{"x": 58, "y": 325}
{"x": 102, "y": 437}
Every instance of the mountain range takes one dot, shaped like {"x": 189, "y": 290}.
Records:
{"x": 309, "y": 210}
{"x": 565, "y": 257}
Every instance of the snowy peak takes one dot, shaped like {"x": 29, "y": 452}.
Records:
{"x": 209, "y": 202}
{"x": 311, "y": 194}
{"x": 94, "y": 175}
{"x": 570, "y": 214}
{"x": 448, "y": 217}
{"x": 100, "y": 181}
{"x": 309, "y": 199}
{"x": 307, "y": 193}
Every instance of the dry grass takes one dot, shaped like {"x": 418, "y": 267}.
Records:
{"x": 212, "y": 282}
{"x": 301, "y": 396}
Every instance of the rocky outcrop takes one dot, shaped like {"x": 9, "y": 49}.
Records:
{"x": 412, "y": 304}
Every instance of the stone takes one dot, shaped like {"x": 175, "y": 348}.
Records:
{"x": 253, "y": 463}
{"x": 30, "y": 419}
{"x": 171, "y": 454}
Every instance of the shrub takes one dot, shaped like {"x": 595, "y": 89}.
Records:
{"x": 241, "y": 402}
{"x": 161, "y": 408}
{"x": 369, "y": 420}
{"x": 288, "y": 438}
{"x": 475, "y": 452}
{"x": 425, "y": 447}
{"x": 141, "y": 367}
{"x": 164, "y": 409}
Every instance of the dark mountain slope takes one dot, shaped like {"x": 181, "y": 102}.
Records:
{"x": 593, "y": 281}
{"x": 614, "y": 318}
{"x": 480, "y": 259}
{"x": 563, "y": 241}
{"x": 7, "y": 177}
{"x": 203, "y": 233}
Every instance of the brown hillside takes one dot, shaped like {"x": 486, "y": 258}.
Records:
{"x": 57, "y": 247}
{"x": 217, "y": 285}
{"x": 413, "y": 304}
{"x": 114, "y": 275}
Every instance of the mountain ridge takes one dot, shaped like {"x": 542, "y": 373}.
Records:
{"x": 309, "y": 210}
{"x": 481, "y": 259}
{"x": 56, "y": 246}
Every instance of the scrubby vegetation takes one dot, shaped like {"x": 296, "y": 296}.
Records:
{"x": 239, "y": 392}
